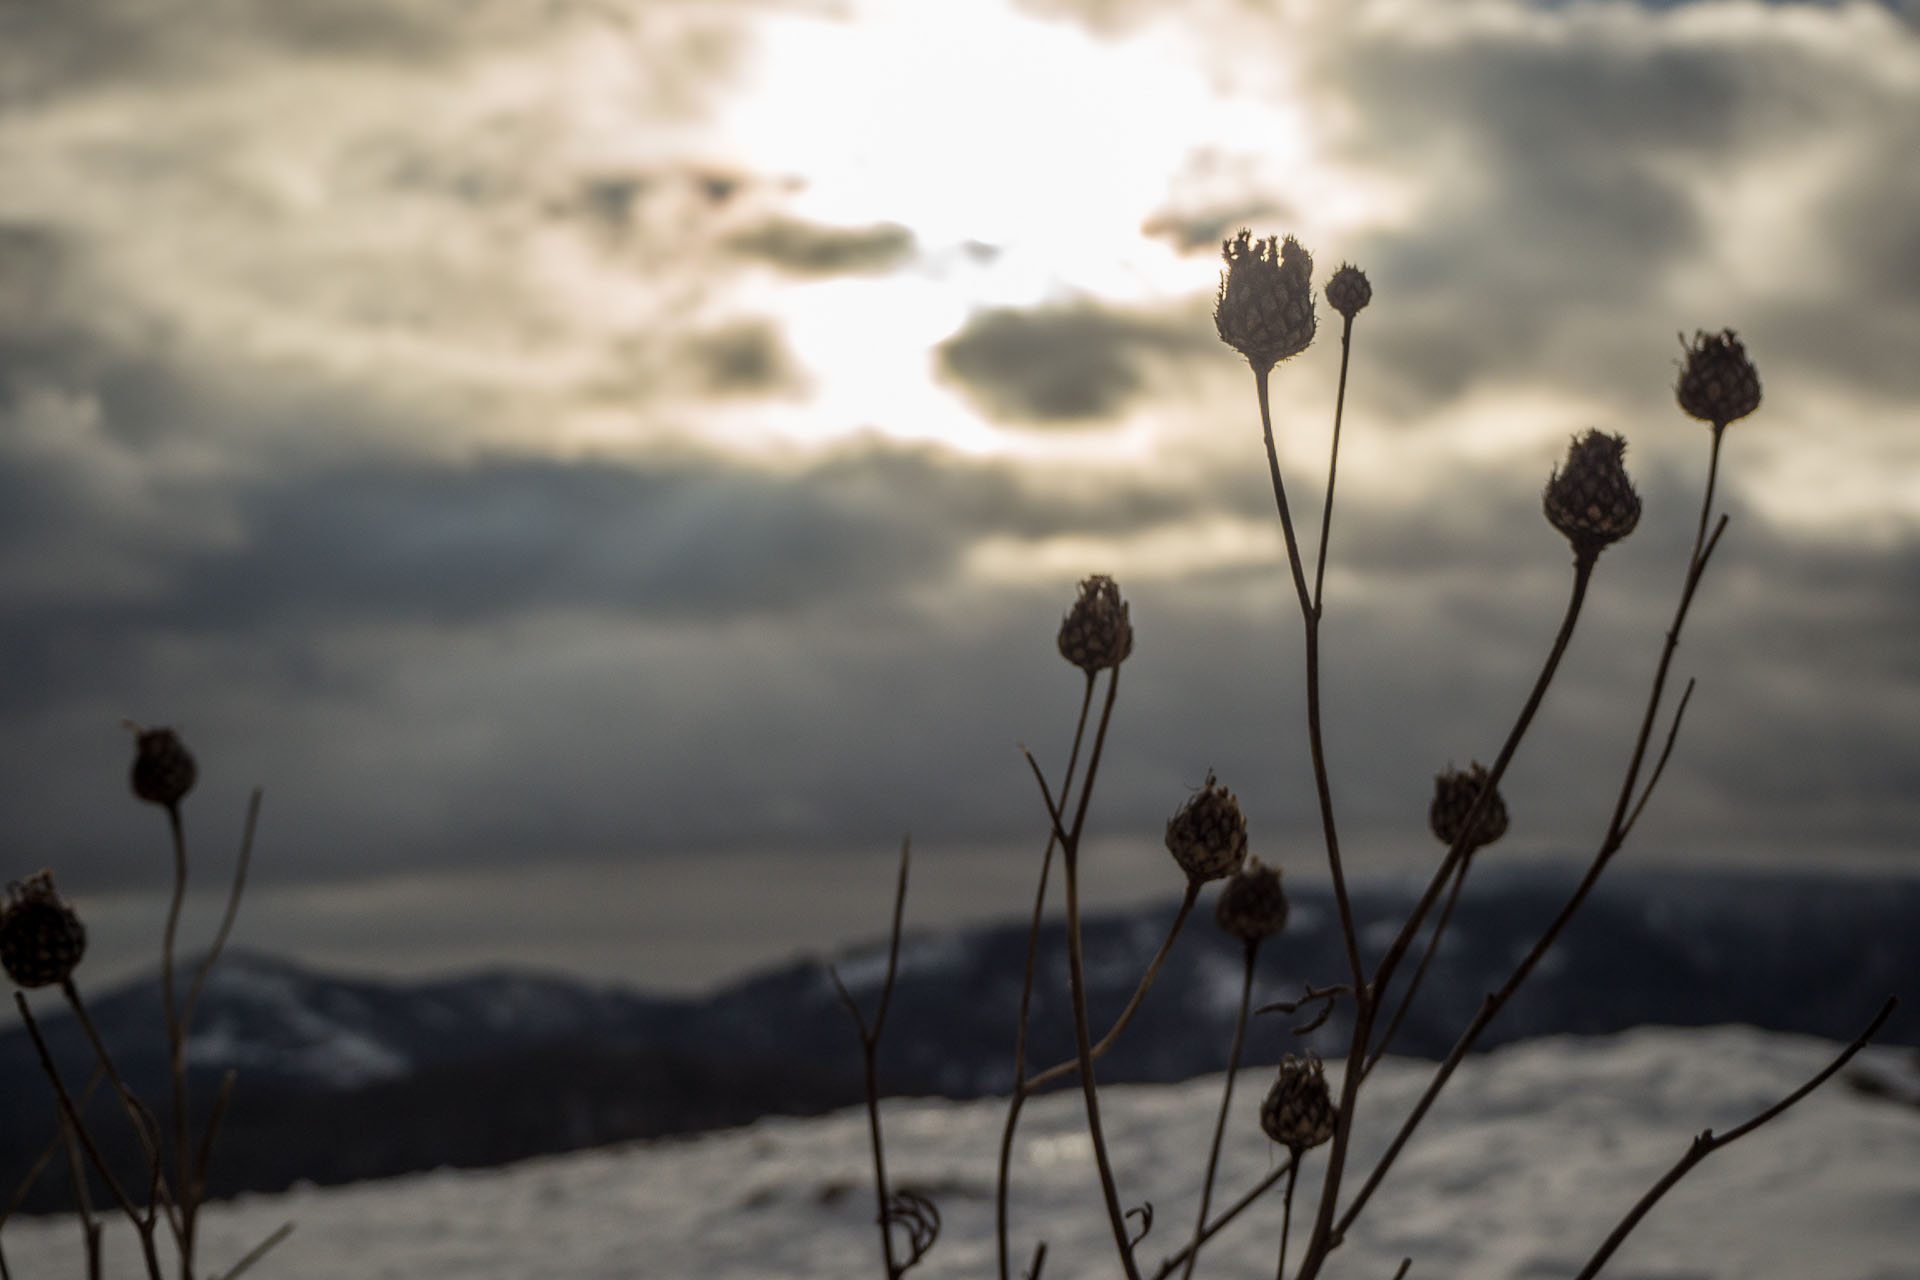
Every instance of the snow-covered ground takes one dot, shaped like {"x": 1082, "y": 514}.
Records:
{"x": 1522, "y": 1168}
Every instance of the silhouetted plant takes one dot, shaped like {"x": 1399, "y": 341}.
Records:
{"x": 42, "y": 941}
{"x": 1265, "y": 311}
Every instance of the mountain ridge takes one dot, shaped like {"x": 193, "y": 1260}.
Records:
{"x": 488, "y": 1067}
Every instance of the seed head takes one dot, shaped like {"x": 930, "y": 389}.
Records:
{"x": 1717, "y": 382}
{"x": 41, "y": 939}
{"x": 1298, "y": 1110}
{"x": 1348, "y": 290}
{"x": 1265, "y": 307}
{"x": 1590, "y": 499}
{"x": 1252, "y": 906}
{"x": 163, "y": 770}
{"x": 1208, "y": 837}
{"x": 1454, "y": 795}
{"x": 1097, "y": 632}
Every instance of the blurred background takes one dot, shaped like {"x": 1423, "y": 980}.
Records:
{"x": 608, "y": 470}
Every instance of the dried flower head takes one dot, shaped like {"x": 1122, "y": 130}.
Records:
{"x": 1265, "y": 307}
{"x": 1590, "y": 499}
{"x": 163, "y": 770}
{"x": 41, "y": 939}
{"x": 1252, "y": 906}
{"x": 1717, "y": 382}
{"x": 1348, "y": 291}
{"x": 1097, "y": 632}
{"x": 1298, "y": 1110}
{"x": 1454, "y": 794}
{"x": 1208, "y": 837}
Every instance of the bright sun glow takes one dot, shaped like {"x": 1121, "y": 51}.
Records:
{"x": 1025, "y": 156}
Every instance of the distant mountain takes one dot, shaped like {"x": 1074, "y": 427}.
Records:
{"x": 341, "y": 1079}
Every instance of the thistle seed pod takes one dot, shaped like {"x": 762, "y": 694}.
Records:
{"x": 1252, "y": 906}
{"x": 1265, "y": 307}
{"x": 1454, "y": 794}
{"x": 1298, "y": 1111}
{"x": 41, "y": 939}
{"x": 1097, "y": 632}
{"x": 1717, "y": 383}
{"x": 1348, "y": 291}
{"x": 1208, "y": 837}
{"x": 1590, "y": 499}
{"x": 163, "y": 770}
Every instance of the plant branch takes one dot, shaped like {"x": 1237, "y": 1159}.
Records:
{"x": 1420, "y": 970}
{"x": 1018, "y": 1094}
{"x": 1333, "y": 463}
{"x": 1226, "y": 1099}
{"x": 1060, "y": 1070}
{"x": 1707, "y": 1143}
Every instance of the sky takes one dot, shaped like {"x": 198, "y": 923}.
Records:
{"x": 609, "y": 470}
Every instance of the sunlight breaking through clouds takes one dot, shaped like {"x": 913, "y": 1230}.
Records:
{"x": 386, "y": 375}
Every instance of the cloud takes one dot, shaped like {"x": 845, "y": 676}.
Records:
{"x": 1063, "y": 365}
{"x": 808, "y": 249}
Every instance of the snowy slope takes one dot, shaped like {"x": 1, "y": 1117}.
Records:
{"x": 1533, "y": 1153}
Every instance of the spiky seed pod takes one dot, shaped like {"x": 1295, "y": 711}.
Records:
{"x": 1208, "y": 837}
{"x": 1097, "y": 632}
{"x": 1298, "y": 1111}
{"x": 41, "y": 939}
{"x": 1265, "y": 307}
{"x": 1717, "y": 382}
{"x": 1348, "y": 291}
{"x": 1454, "y": 794}
{"x": 163, "y": 770}
{"x": 1252, "y": 906}
{"x": 1590, "y": 499}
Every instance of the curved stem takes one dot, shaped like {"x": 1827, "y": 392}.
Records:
{"x": 1226, "y": 1098}
{"x": 1420, "y": 971}
{"x": 1077, "y": 984}
{"x": 177, "y": 1048}
{"x": 144, "y": 1125}
{"x": 1707, "y": 1143}
{"x": 1286, "y": 1216}
{"x": 1333, "y": 463}
{"x": 1018, "y": 1096}
{"x": 1325, "y": 1234}
{"x": 1062, "y": 1069}
{"x": 1310, "y": 617}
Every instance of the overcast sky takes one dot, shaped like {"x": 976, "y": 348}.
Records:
{"x": 583, "y": 458}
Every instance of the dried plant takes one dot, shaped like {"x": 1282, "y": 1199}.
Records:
{"x": 42, "y": 941}
{"x": 1265, "y": 311}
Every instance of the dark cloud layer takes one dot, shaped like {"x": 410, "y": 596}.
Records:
{"x": 809, "y": 249}
{"x": 1062, "y": 365}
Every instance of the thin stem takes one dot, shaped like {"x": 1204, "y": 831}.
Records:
{"x": 233, "y": 908}
{"x": 48, "y": 1152}
{"x": 1333, "y": 463}
{"x": 1059, "y": 1070}
{"x": 144, "y": 1124}
{"x": 1227, "y": 1215}
{"x": 1706, "y": 1144}
{"x": 144, "y": 1228}
{"x": 1310, "y": 618}
{"x": 1609, "y": 845}
{"x": 82, "y": 1200}
{"x": 1018, "y": 1096}
{"x": 1420, "y": 971}
{"x": 177, "y": 1047}
{"x": 1286, "y": 1216}
{"x": 259, "y": 1251}
{"x": 1226, "y": 1098}
{"x": 1325, "y": 1234}
{"x": 1077, "y": 983}
{"x": 869, "y": 1052}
